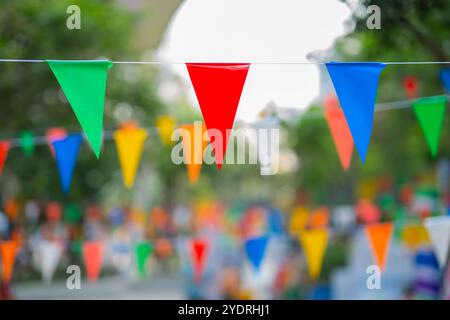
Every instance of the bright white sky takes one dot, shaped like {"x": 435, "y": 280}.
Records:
{"x": 255, "y": 31}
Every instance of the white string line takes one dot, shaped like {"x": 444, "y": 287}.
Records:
{"x": 255, "y": 62}
{"x": 108, "y": 134}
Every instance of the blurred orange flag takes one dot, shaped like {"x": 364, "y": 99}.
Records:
{"x": 379, "y": 236}
{"x": 314, "y": 243}
{"x": 129, "y": 143}
{"x": 93, "y": 259}
{"x": 299, "y": 219}
{"x": 8, "y": 252}
{"x": 319, "y": 218}
{"x": 199, "y": 251}
{"x": 339, "y": 131}
{"x": 166, "y": 125}
{"x": 193, "y": 147}
{"x": 4, "y": 150}
{"x": 55, "y": 134}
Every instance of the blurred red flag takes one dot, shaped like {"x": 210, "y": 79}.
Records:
{"x": 4, "y": 149}
{"x": 411, "y": 86}
{"x": 93, "y": 259}
{"x": 199, "y": 250}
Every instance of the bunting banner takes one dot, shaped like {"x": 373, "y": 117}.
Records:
{"x": 129, "y": 143}
{"x": 314, "y": 243}
{"x": 255, "y": 249}
{"x": 49, "y": 255}
{"x": 166, "y": 125}
{"x": 4, "y": 150}
{"x": 379, "y": 236}
{"x": 199, "y": 252}
{"x": 27, "y": 142}
{"x": 439, "y": 232}
{"x": 93, "y": 259}
{"x": 8, "y": 252}
{"x": 445, "y": 78}
{"x": 298, "y": 221}
{"x": 193, "y": 148}
{"x": 430, "y": 113}
{"x": 66, "y": 153}
{"x": 339, "y": 132}
{"x": 84, "y": 85}
{"x": 143, "y": 252}
{"x": 218, "y": 87}
{"x": 356, "y": 85}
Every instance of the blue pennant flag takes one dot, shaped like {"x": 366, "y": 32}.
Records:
{"x": 356, "y": 86}
{"x": 255, "y": 249}
{"x": 66, "y": 152}
{"x": 445, "y": 78}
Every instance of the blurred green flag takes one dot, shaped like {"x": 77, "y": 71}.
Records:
{"x": 430, "y": 114}
{"x": 84, "y": 84}
{"x": 27, "y": 142}
{"x": 143, "y": 252}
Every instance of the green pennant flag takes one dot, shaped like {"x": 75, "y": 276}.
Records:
{"x": 430, "y": 113}
{"x": 27, "y": 142}
{"x": 84, "y": 84}
{"x": 143, "y": 252}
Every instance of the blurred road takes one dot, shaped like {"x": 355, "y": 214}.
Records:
{"x": 108, "y": 288}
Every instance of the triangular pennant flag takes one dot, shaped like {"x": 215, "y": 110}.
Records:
{"x": 8, "y": 252}
{"x": 143, "y": 252}
{"x": 4, "y": 150}
{"x": 93, "y": 259}
{"x": 255, "y": 249}
{"x": 84, "y": 84}
{"x": 445, "y": 78}
{"x": 199, "y": 251}
{"x": 129, "y": 143}
{"x": 339, "y": 131}
{"x": 218, "y": 87}
{"x": 314, "y": 243}
{"x": 193, "y": 148}
{"x": 166, "y": 125}
{"x": 379, "y": 236}
{"x": 356, "y": 86}
{"x": 430, "y": 114}
{"x": 49, "y": 255}
{"x": 66, "y": 152}
{"x": 439, "y": 232}
{"x": 299, "y": 220}
{"x": 411, "y": 84}
{"x": 27, "y": 142}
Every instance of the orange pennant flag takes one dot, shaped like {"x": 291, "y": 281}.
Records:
{"x": 193, "y": 147}
{"x": 93, "y": 259}
{"x": 339, "y": 131}
{"x": 379, "y": 236}
{"x": 8, "y": 251}
{"x": 4, "y": 149}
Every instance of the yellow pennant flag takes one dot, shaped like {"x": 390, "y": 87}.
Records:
{"x": 129, "y": 143}
{"x": 298, "y": 221}
{"x": 314, "y": 243}
{"x": 166, "y": 125}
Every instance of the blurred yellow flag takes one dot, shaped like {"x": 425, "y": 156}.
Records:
{"x": 314, "y": 243}
{"x": 166, "y": 125}
{"x": 415, "y": 236}
{"x": 298, "y": 221}
{"x": 129, "y": 143}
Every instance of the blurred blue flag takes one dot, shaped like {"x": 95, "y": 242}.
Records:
{"x": 445, "y": 78}
{"x": 255, "y": 249}
{"x": 66, "y": 152}
{"x": 356, "y": 86}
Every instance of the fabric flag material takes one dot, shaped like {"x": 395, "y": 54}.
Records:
{"x": 143, "y": 252}
{"x": 299, "y": 220}
{"x": 430, "y": 113}
{"x": 339, "y": 132}
{"x": 8, "y": 252}
{"x": 49, "y": 255}
{"x": 27, "y": 142}
{"x": 255, "y": 249}
{"x": 218, "y": 87}
{"x": 445, "y": 78}
{"x": 54, "y": 134}
{"x": 84, "y": 84}
{"x": 439, "y": 232}
{"x": 314, "y": 243}
{"x": 379, "y": 236}
{"x": 93, "y": 259}
{"x": 166, "y": 125}
{"x": 4, "y": 150}
{"x": 199, "y": 251}
{"x": 129, "y": 143}
{"x": 356, "y": 86}
{"x": 193, "y": 148}
{"x": 66, "y": 152}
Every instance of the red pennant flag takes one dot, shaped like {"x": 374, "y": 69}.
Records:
{"x": 218, "y": 87}
{"x": 411, "y": 86}
{"x": 339, "y": 131}
{"x": 4, "y": 149}
{"x": 93, "y": 259}
{"x": 199, "y": 252}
